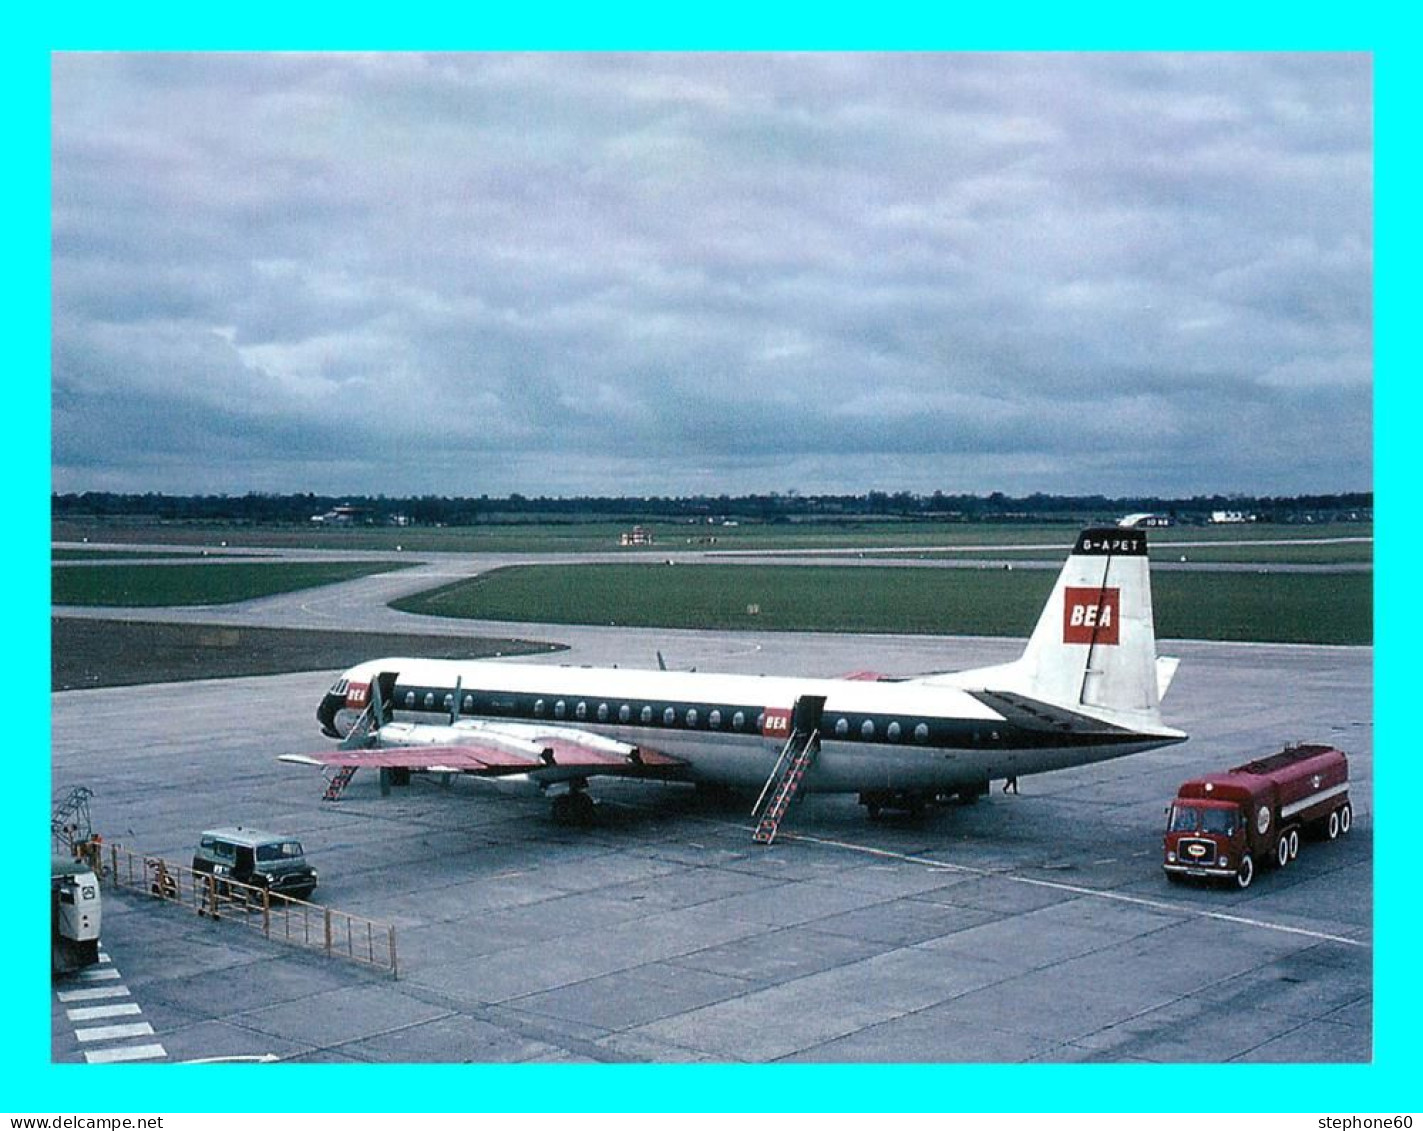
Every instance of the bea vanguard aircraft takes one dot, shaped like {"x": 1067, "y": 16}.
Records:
{"x": 1088, "y": 687}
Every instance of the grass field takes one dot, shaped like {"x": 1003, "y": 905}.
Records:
{"x": 213, "y": 583}
{"x": 107, "y": 653}
{"x": 594, "y": 537}
{"x": 1279, "y": 607}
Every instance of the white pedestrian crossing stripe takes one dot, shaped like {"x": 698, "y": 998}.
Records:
{"x": 115, "y": 1032}
{"x": 93, "y": 995}
{"x": 97, "y": 1012}
{"x": 121, "y": 1034}
{"x": 124, "y": 1052}
{"x": 99, "y": 974}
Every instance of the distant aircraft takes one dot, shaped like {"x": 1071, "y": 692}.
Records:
{"x": 1088, "y": 687}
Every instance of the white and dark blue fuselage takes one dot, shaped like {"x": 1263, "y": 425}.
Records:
{"x": 729, "y": 729}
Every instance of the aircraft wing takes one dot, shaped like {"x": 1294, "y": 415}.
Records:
{"x": 494, "y": 751}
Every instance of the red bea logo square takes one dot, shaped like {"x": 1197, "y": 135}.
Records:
{"x": 1091, "y": 616}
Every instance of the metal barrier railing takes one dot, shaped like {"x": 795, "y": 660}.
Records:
{"x": 338, "y": 934}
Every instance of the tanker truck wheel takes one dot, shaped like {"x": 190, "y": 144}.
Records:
{"x": 1333, "y": 825}
{"x": 1245, "y": 873}
{"x": 1282, "y": 850}
{"x": 1346, "y": 817}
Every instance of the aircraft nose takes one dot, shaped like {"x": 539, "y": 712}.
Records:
{"x": 326, "y": 714}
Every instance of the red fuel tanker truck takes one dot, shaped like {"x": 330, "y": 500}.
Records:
{"x": 1223, "y": 826}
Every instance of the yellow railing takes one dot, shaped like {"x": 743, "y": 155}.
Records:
{"x": 337, "y": 933}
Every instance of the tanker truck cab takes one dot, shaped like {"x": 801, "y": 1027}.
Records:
{"x": 1205, "y": 839}
{"x": 1224, "y": 826}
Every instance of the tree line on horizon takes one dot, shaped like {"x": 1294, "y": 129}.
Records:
{"x": 432, "y": 510}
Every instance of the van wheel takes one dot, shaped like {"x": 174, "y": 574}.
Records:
{"x": 1245, "y": 873}
{"x": 1282, "y": 850}
{"x": 1333, "y": 826}
{"x": 1346, "y": 817}
{"x": 1294, "y": 843}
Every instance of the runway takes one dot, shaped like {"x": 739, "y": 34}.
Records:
{"x": 1028, "y": 928}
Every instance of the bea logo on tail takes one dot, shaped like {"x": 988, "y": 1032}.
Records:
{"x": 1091, "y": 616}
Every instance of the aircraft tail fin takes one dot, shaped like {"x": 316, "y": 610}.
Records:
{"x": 1094, "y": 647}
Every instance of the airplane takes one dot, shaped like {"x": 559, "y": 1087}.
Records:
{"x": 1087, "y": 687}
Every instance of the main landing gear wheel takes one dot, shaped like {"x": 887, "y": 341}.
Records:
{"x": 1282, "y": 850}
{"x": 1294, "y": 843}
{"x": 1245, "y": 873}
{"x": 1333, "y": 825}
{"x": 1346, "y": 817}
{"x": 574, "y": 808}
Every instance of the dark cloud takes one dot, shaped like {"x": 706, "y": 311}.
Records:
{"x": 663, "y": 274}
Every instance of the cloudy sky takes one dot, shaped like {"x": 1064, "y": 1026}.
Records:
{"x": 676, "y": 274}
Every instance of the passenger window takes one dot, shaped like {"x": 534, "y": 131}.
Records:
{"x": 691, "y": 716}
{"x": 921, "y": 733}
{"x": 714, "y": 720}
{"x": 867, "y": 729}
{"x": 669, "y": 717}
{"x": 738, "y": 721}
{"x": 646, "y": 716}
{"x": 893, "y": 732}
{"x": 842, "y": 727}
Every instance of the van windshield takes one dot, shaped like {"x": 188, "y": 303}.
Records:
{"x": 285, "y": 850}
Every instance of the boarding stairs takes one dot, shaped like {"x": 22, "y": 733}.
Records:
{"x": 796, "y": 758}
{"x": 69, "y": 822}
{"x": 363, "y": 733}
{"x": 338, "y": 782}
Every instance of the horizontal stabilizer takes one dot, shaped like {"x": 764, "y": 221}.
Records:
{"x": 1165, "y": 672}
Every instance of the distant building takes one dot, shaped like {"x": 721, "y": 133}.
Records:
{"x": 1141, "y": 521}
{"x": 344, "y": 515}
{"x": 637, "y": 536}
